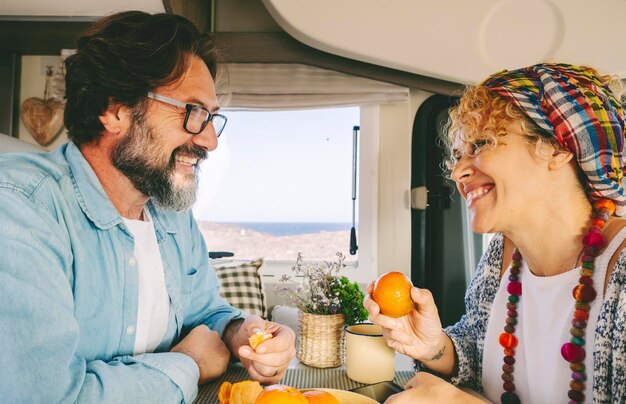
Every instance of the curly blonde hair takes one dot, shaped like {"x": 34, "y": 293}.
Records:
{"x": 481, "y": 119}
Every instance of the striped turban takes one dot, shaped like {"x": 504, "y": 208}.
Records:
{"x": 572, "y": 104}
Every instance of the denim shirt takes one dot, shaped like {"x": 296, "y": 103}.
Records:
{"x": 68, "y": 290}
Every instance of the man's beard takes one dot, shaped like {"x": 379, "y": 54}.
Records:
{"x": 139, "y": 157}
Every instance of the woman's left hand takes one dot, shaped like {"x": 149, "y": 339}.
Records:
{"x": 427, "y": 388}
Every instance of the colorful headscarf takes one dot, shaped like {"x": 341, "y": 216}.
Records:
{"x": 581, "y": 112}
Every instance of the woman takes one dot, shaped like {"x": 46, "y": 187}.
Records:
{"x": 537, "y": 154}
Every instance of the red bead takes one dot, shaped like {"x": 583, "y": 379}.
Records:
{"x": 509, "y": 328}
{"x": 587, "y": 258}
{"x": 507, "y": 340}
{"x": 581, "y": 315}
{"x": 598, "y": 223}
{"x": 509, "y": 351}
{"x": 509, "y": 360}
{"x": 606, "y": 204}
{"x": 517, "y": 256}
{"x": 576, "y": 396}
{"x": 572, "y": 352}
{"x": 584, "y": 293}
{"x": 576, "y": 385}
{"x": 507, "y": 377}
{"x": 579, "y": 323}
{"x": 514, "y": 288}
{"x": 585, "y": 280}
{"x": 512, "y": 313}
{"x": 507, "y": 368}
{"x": 594, "y": 238}
{"x": 511, "y": 306}
{"x": 508, "y": 386}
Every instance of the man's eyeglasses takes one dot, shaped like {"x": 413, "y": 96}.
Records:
{"x": 197, "y": 117}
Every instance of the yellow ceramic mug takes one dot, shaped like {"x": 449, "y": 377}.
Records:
{"x": 368, "y": 357}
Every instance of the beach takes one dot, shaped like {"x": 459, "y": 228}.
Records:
{"x": 251, "y": 244}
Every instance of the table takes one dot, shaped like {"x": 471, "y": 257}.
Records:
{"x": 302, "y": 377}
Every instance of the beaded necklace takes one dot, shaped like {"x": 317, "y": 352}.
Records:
{"x": 584, "y": 293}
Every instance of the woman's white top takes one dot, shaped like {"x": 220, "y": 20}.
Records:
{"x": 545, "y": 314}
{"x": 153, "y": 301}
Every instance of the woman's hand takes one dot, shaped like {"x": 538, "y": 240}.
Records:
{"x": 418, "y": 334}
{"x": 427, "y": 388}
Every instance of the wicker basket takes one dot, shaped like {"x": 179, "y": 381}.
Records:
{"x": 321, "y": 340}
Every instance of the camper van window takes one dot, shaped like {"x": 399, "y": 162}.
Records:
{"x": 280, "y": 183}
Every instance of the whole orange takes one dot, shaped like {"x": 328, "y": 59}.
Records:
{"x": 280, "y": 394}
{"x": 392, "y": 292}
{"x": 320, "y": 397}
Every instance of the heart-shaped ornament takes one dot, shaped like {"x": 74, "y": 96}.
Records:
{"x": 43, "y": 119}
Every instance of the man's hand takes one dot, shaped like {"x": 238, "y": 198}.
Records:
{"x": 271, "y": 359}
{"x": 427, "y": 388}
{"x": 207, "y": 349}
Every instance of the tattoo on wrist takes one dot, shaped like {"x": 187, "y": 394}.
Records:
{"x": 439, "y": 354}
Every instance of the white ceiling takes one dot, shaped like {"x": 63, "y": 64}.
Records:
{"x": 461, "y": 40}
{"x": 75, "y": 8}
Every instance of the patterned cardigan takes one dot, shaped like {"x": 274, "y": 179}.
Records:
{"x": 609, "y": 354}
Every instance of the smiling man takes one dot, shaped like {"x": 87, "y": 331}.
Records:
{"x": 107, "y": 291}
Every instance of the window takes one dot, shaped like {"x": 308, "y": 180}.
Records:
{"x": 280, "y": 183}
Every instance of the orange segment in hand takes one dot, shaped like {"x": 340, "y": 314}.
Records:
{"x": 258, "y": 337}
{"x": 392, "y": 293}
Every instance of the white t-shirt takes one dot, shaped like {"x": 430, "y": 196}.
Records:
{"x": 545, "y": 313}
{"x": 153, "y": 301}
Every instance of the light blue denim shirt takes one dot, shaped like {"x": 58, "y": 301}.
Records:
{"x": 68, "y": 290}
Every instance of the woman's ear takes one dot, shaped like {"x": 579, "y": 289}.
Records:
{"x": 116, "y": 119}
{"x": 559, "y": 159}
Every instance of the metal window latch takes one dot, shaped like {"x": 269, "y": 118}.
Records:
{"x": 419, "y": 198}
{"x": 438, "y": 198}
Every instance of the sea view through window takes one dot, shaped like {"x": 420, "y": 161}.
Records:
{"x": 279, "y": 184}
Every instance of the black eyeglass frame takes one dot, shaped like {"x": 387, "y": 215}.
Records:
{"x": 188, "y": 108}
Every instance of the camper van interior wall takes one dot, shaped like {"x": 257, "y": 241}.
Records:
{"x": 43, "y": 118}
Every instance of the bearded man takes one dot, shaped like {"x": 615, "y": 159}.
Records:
{"x": 107, "y": 291}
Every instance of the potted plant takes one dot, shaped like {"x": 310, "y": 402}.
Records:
{"x": 326, "y": 301}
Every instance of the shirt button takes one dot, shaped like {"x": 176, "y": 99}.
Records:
{"x": 132, "y": 261}
{"x": 130, "y": 329}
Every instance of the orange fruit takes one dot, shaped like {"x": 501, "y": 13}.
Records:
{"x": 320, "y": 397}
{"x": 244, "y": 392}
{"x": 258, "y": 337}
{"x": 280, "y": 394}
{"x": 224, "y": 393}
{"x": 392, "y": 293}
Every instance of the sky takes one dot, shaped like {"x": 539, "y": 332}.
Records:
{"x": 285, "y": 166}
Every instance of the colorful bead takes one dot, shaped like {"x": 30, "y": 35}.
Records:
{"x": 508, "y": 386}
{"x": 584, "y": 293}
{"x": 577, "y": 366}
{"x": 572, "y": 352}
{"x": 514, "y": 288}
{"x": 581, "y": 315}
{"x": 507, "y": 340}
{"x": 576, "y": 396}
{"x": 577, "y": 385}
{"x": 606, "y": 204}
{"x": 509, "y": 360}
{"x": 509, "y": 398}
